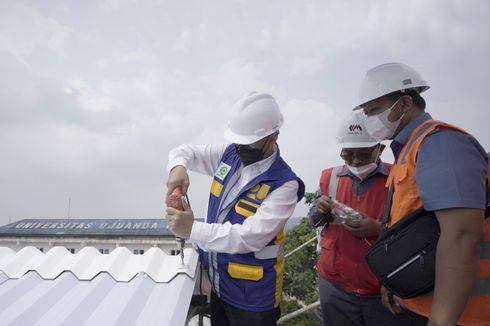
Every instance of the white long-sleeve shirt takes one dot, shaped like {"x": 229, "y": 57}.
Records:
{"x": 257, "y": 230}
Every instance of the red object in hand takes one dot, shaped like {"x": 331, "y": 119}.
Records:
{"x": 174, "y": 200}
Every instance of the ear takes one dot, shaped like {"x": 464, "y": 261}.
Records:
{"x": 406, "y": 103}
{"x": 273, "y": 137}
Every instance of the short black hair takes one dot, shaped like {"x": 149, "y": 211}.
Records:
{"x": 417, "y": 100}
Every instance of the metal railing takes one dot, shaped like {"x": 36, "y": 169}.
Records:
{"x": 309, "y": 307}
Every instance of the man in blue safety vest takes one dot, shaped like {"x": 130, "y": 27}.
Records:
{"x": 253, "y": 194}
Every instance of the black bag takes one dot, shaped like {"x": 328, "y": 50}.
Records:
{"x": 403, "y": 258}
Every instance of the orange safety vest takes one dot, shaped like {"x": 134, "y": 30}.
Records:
{"x": 406, "y": 199}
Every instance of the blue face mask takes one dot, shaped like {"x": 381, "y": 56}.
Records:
{"x": 248, "y": 154}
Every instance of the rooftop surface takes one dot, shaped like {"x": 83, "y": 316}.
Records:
{"x": 88, "y": 288}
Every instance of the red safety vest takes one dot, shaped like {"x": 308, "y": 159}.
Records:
{"x": 342, "y": 257}
{"x": 406, "y": 199}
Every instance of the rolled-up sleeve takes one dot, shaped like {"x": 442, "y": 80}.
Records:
{"x": 256, "y": 231}
{"x": 203, "y": 159}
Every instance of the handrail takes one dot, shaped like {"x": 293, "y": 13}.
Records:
{"x": 299, "y": 247}
{"x": 298, "y": 312}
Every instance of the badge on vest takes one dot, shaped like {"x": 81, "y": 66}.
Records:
{"x": 223, "y": 170}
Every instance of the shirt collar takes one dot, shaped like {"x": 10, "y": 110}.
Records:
{"x": 402, "y": 137}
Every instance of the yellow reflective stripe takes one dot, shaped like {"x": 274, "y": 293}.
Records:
{"x": 245, "y": 272}
{"x": 252, "y": 195}
{"x": 216, "y": 188}
{"x": 264, "y": 190}
{"x": 280, "y": 237}
{"x": 255, "y": 188}
{"x": 279, "y": 268}
{"x": 246, "y": 208}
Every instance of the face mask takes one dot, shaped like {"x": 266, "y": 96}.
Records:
{"x": 248, "y": 155}
{"x": 362, "y": 171}
{"x": 379, "y": 127}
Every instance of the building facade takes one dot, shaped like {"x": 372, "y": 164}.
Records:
{"x": 138, "y": 235}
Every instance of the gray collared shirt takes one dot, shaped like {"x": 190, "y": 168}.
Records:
{"x": 362, "y": 186}
{"x": 359, "y": 186}
{"x": 451, "y": 167}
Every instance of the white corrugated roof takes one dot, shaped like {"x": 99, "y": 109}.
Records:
{"x": 121, "y": 264}
{"x": 88, "y": 288}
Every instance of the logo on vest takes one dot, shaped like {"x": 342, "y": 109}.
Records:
{"x": 223, "y": 170}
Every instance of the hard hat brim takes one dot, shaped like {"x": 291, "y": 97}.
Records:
{"x": 421, "y": 89}
{"x": 241, "y": 139}
{"x": 359, "y": 145}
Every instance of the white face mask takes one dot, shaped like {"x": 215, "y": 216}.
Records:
{"x": 362, "y": 171}
{"x": 379, "y": 127}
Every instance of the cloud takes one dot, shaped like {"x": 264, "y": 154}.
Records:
{"x": 238, "y": 77}
{"x": 23, "y": 29}
{"x": 92, "y": 101}
{"x": 184, "y": 43}
{"x": 348, "y": 26}
{"x": 307, "y": 65}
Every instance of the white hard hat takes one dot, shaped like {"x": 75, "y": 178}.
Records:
{"x": 253, "y": 117}
{"x": 353, "y": 134}
{"x": 388, "y": 78}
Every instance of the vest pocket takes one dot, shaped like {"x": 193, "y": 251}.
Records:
{"x": 328, "y": 256}
{"x": 246, "y": 208}
{"x": 245, "y": 272}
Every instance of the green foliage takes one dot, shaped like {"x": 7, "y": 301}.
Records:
{"x": 300, "y": 275}
{"x": 309, "y": 197}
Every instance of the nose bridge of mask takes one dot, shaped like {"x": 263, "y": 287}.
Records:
{"x": 379, "y": 126}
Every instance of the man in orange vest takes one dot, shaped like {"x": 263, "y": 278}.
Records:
{"x": 441, "y": 169}
{"x": 349, "y": 291}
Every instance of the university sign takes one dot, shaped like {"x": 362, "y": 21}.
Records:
{"x": 82, "y": 227}
{"x": 88, "y": 225}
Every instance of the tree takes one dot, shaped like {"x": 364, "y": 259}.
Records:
{"x": 300, "y": 275}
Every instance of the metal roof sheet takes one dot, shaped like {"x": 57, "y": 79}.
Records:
{"x": 121, "y": 264}
{"x": 88, "y": 288}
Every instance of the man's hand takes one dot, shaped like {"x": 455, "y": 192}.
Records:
{"x": 178, "y": 177}
{"x": 389, "y": 302}
{"x": 180, "y": 222}
{"x": 365, "y": 227}
{"x": 324, "y": 205}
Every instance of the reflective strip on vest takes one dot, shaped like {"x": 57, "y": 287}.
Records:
{"x": 334, "y": 182}
{"x": 213, "y": 257}
{"x": 332, "y": 188}
{"x": 270, "y": 252}
{"x": 414, "y": 139}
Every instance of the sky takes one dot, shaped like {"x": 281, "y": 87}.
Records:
{"x": 94, "y": 93}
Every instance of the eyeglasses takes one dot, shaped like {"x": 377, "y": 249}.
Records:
{"x": 361, "y": 155}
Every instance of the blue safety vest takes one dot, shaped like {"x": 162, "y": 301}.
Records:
{"x": 250, "y": 281}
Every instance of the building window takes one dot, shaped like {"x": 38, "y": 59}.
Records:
{"x": 174, "y": 252}
{"x": 72, "y": 250}
{"x": 104, "y": 251}
{"x": 138, "y": 251}
{"x": 41, "y": 249}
